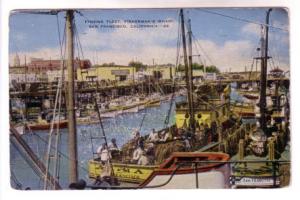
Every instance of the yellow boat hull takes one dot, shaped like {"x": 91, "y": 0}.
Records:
{"x": 124, "y": 172}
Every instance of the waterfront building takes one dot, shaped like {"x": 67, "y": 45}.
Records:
{"x": 21, "y": 74}
{"x": 125, "y": 73}
{"x": 162, "y": 72}
{"x": 40, "y": 70}
{"x": 277, "y": 73}
{"x": 198, "y": 74}
{"x": 40, "y": 65}
{"x": 112, "y": 73}
{"x": 211, "y": 76}
{"x": 54, "y": 75}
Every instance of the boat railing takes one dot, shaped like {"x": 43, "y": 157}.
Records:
{"x": 196, "y": 165}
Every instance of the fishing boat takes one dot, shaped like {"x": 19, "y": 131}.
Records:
{"x": 44, "y": 125}
{"x": 111, "y": 114}
{"x": 131, "y": 105}
{"x": 179, "y": 164}
{"x": 132, "y": 110}
{"x": 251, "y": 96}
{"x": 153, "y": 103}
{"x": 203, "y": 106}
{"x": 125, "y": 170}
{"x": 154, "y": 100}
{"x": 245, "y": 110}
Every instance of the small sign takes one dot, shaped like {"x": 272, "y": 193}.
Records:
{"x": 121, "y": 72}
{"x": 255, "y": 181}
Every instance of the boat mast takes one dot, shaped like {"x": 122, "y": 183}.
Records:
{"x": 188, "y": 72}
{"x": 192, "y": 120}
{"x": 263, "y": 75}
{"x": 72, "y": 147}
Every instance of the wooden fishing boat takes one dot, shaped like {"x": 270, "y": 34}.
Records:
{"x": 180, "y": 170}
{"x": 122, "y": 168}
{"x": 111, "y": 114}
{"x": 251, "y": 96}
{"x": 132, "y": 110}
{"x": 150, "y": 174}
{"x": 203, "y": 114}
{"x": 153, "y": 103}
{"x": 244, "y": 110}
{"x": 47, "y": 125}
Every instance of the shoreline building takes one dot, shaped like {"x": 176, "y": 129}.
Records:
{"x": 125, "y": 73}
{"x": 111, "y": 73}
{"x": 40, "y": 70}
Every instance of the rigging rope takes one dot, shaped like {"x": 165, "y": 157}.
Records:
{"x": 56, "y": 165}
{"x": 241, "y": 19}
{"x": 178, "y": 46}
{"x": 53, "y": 147}
{"x": 57, "y": 103}
{"x": 205, "y": 54}
{"x": 28, "y": 161}
{"x": 164, "y": 55}
{"x": 167, "y": 119}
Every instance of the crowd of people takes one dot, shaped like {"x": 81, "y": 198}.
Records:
{"x": 144, "y": 152}
{"x": 144, "y": 146}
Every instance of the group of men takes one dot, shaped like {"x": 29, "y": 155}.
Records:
{"x": 159, "y": 137}
{"x": 104, "y": 151}
{"x": 140, "y": 154}
{"x": 143, "y": 153}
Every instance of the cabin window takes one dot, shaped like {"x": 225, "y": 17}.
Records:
{"x": 157, "y": 74}
{"x": 121, "y": 78}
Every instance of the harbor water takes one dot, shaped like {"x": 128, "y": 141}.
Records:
{"x": 120, "y": 128}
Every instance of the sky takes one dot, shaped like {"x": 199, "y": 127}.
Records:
{"x": 229, "y": 44}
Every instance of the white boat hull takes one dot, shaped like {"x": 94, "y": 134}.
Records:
{"x": 206, "y": 180}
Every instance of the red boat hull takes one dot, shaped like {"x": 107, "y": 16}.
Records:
{"x": 62, "y": 124}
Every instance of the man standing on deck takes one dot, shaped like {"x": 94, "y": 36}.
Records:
{"x": 103, "y": 153}
{"x": 136, "y": 134}
{"x": 153, "y": 136}
{"x": 113, "y": 145}
{"x": 138, "y": 152}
